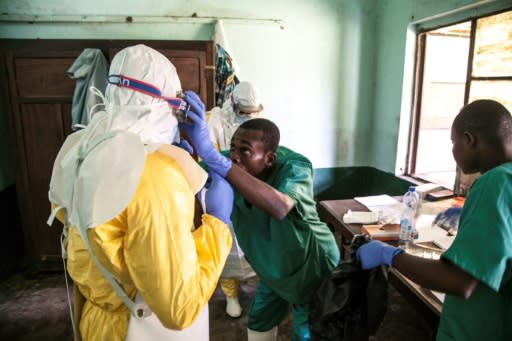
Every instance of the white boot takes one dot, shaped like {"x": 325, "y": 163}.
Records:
{"x": 269, "y": 335}
{"x": 233, "y": 308}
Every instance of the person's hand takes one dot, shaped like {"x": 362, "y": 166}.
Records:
{"x": 449, "y": 219}
{"x": 219, "y": 198}
{"x": 183, "y": 144}
{"x": 196, "y": 128}
{"x": 197, "y": 132}
{"x": 375, "y": 253}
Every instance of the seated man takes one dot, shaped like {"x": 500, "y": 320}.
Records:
{"x": 275, "y": 220}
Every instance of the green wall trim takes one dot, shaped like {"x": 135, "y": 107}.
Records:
{"x": 349, "y": 182}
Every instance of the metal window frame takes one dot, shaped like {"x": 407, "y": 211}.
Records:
{"x": 421, "y": 47}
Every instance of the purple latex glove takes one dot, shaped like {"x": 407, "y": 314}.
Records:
{"x": 375, "y": 253}
{"x": 449, "y": 219}
{"x": 183, "y": 144}
{"x": 197, "y": 132}
{"x": 219, "y": 198}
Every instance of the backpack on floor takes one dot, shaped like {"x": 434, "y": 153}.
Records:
{"x": 351, "y": 303}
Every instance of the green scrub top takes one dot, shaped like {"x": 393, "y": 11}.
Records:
{"x": 483, "y": 248}
{"x": 291, "y": 256}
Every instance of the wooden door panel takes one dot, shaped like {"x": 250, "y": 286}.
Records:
{"x": 66, "y": 120}
{"x": 190, "y": 68}
{"x": 43, "y": 77}
{"x": 42, "y": 122}
{"x": 189, "y": 73}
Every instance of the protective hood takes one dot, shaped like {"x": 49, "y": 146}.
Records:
{"x": 246, "y": 98}
{"x": 148, "y": 116}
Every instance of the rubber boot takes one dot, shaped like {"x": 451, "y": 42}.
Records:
{"x": 233, "y": 308}
{"x": 269, "y": 335}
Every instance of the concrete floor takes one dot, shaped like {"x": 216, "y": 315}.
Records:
{"x": 34, "y": 307}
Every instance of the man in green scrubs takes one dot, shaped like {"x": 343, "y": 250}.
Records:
{"x": 476, "y": 271}
{"x": 275, "y": 221}
{"x": 290, "y": 253}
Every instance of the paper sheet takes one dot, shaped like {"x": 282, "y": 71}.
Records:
{"x": 427, "y": 232}
{"x": 389, "y": 209}
{"x": 438, "y": 295}
{"x": 445, "y": 242}
{"x": 377, "y": 200}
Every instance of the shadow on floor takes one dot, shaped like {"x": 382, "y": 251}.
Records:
{"x": 35, "y": 307}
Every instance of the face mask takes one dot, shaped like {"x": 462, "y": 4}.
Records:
{"x": 241, "y": 119}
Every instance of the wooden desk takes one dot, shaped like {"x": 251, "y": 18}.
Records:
{"x": 332, "y": 211}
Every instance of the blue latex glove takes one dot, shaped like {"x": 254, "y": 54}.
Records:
{"x": 375, "y": 253}
{"x": 219, "y": 198}
{"x": 197, "y": 132}
{"x": 449, "y": 219}
{"x": 183, "y": 144}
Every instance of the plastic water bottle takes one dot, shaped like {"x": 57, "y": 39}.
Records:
{"x": 408, "y": 230}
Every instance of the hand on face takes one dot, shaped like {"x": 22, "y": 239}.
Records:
{"x": 197, "y": 132}
{"x": 197, "y": 129}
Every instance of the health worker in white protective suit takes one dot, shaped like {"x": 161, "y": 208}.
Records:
{"x": 126, "y": 198}
{"x": 244, "y": 104}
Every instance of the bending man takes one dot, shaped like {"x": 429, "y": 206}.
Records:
{"x": 275, "y": 221}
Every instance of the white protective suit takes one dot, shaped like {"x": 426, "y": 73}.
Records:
{"x": 126, "y": 198}
{"x": 243, "y": 105}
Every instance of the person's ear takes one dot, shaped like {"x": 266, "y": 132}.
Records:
{"x": 469, "y": 139}
{"x": 270, "y": 158}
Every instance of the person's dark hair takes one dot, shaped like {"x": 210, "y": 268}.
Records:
{"x": 485, "y": 118}
{"x": 270, "y": 131}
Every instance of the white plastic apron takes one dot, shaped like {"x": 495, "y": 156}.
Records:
{"x": 236, "y": 265}
{"x": 151, "y": 329}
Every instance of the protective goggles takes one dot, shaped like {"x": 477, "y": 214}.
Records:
{"x": 245, "y": 110}
{"x": 178, "y": 105}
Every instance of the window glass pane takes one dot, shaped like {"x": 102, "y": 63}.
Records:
{"x": 493, "y": 46}
{"x": 443, "y": 85}
{"x": 497, "y": 90}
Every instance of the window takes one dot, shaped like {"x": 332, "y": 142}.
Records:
{"x": 456, "y": 65}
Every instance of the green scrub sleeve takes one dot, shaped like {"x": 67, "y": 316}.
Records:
{"x": 482, "y": 245}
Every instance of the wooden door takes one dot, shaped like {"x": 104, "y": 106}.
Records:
{"x": 38, "y": 96}
{"x": 40, "y": 102}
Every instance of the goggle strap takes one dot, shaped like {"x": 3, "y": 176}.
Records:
{"x": 134, "y": 84}
{"x": 146, "y": 88}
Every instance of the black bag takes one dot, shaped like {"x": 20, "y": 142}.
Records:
{"x": 351, "y": 303}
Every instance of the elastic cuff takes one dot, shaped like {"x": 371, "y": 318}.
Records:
{"x": 391, "y": 252}
{"x": 218, "y": 163}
